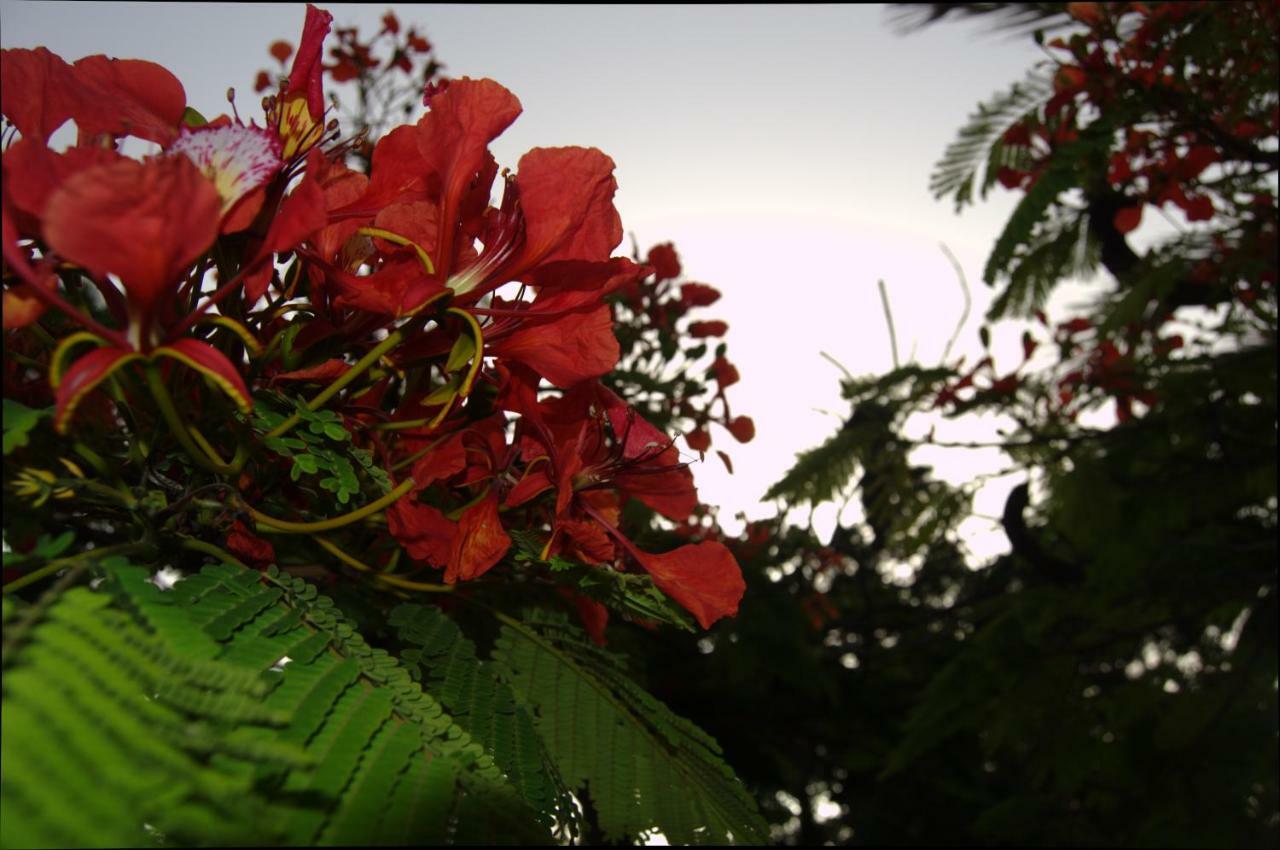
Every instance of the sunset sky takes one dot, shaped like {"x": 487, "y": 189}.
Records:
{"x": 785, "y": 150}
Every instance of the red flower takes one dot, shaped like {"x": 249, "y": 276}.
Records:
{"x": 697, "y": 294}
{"x": 665, "y": 261}
{"x": 742, "y": 428}
{"x": 705, "y": 329}
{"x": 594, "y": 442}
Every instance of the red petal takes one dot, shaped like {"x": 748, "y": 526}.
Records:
{"x": 82, "y": 376}
{"x": 453, "y": 141}
{"x": 306, "y": 72}
{"x": 36, "y": 91}
{"x": 146, "y": 222}
{"x": 212, "y": 363}
{"x": 128, "y": 97}
{"x": 481, "y": 542}
{"x": 249, "y": 547}
{"x": 422, "y": 530}
{"x": 567, "y": 198}
{"x": 565, "y": 351}
{"x": 448, "y": 458}
{"x": 301, "y": 214}
{"x": 324, "y": 373}
{"x": 703, "y": 577}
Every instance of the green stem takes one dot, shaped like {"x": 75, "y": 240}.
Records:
{"x": 393, "y": 339}
{"x": 179, "y": 430}
{"x": 336, "y": 522}
{"x": 209, "y": 549}
{"x": 394, "y": 581}
{"x": 61, "y": 563}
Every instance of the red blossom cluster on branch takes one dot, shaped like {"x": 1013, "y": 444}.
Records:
{"x": 461, "y": 344}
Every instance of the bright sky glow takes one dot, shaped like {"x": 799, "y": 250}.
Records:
{"x": 786, "y": 151}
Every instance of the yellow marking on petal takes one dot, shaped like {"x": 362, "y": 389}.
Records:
{"x": 478, "y": 357}
{"x": 226, "y": 386}
{"x": 397, "y": 239}
{"x": 250, "y": 342}
{"x": 57, "y": 363}
{"x": 60, "y": 422}
{"x": 296, "y": 128}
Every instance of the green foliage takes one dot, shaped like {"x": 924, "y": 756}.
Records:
{"x": 205, "y": 733}
{"x": 640, "y": 766}
{"x": 322, "y": 448}
{"x": 977, "y": 145}
{"x": 632, "y": 594}
{"x": 19, "y": 421}
{"x": 479, "y": 702}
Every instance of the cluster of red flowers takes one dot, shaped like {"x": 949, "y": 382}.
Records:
{"x": 1134, "y": 53}
{"x": 467, "y": 340}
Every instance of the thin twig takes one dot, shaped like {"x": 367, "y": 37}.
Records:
{"x": 888, "y": 318}
{"x": 834, "y": 362}
{"x": 968, "y": 301}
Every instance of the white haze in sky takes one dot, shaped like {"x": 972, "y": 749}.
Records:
{"x": 786, "y": 151}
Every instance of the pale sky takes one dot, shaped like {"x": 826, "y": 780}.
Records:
{"x": 786, "y": 151}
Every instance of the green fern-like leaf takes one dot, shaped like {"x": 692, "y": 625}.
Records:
{"x": 483, "y": 705}
{"x": 292, "y": 730}
{"x": 642, "y": 766}
{"x": 979, "y": 140}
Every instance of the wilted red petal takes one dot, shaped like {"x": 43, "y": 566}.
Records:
{"x": 390, "y": 23}
{"x": 82, "y": 376}
{"x": 703, "y": 577}
{"x": 305, "y": 76}
{"x": 213, "y": 364}
{"x": 481, "y": 541}
{"x": 146, "y": 222}
{"x": 567, "y": 198}
{"x": 567, "y": 350}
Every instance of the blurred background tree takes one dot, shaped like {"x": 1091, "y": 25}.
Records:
{"x": 1113, "y": 678}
